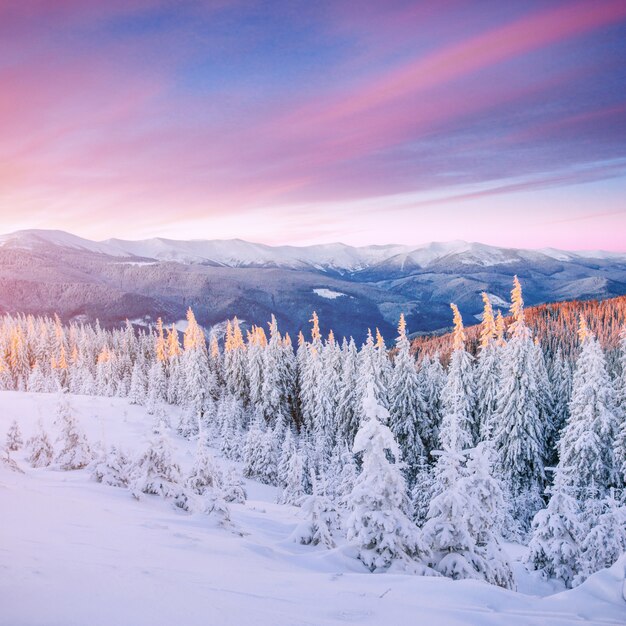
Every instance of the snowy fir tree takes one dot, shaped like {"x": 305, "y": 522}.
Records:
{"x": 586, "y": 442}
{"x": 457, "y": 396}
{"x": 111, "y": 467}
{"x": 39, "y": 449}
{"x": 422, "y": 493}
{"x": 14, "y": 439}
{"x": 487, "y": 372}
{"x": 451, "y": 529}
{"x": 155, "y": 472}
{"x": 204, "y": 477}
{"x": 486, "y": 515}
{"x": 378, "y": 524}
{"x": 605, "y": 541}
{"x": 520, "y": 435}
{"x": 557, "y": 532}
{"x": 320, "y": 517}
{"x": 290, "y": 474}
{"x": 233, "y": 487}
{"x": 407, "y": 412}
{"x": 74, "y": 452}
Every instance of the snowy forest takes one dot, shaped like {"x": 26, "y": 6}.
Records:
{"x": 425, "y": 462}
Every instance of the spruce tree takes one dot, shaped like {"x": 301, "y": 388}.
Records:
{"x": 320, "y": 517}
{"x": 458, "y": 396}
{"x": 39, "y": 448}
{"x": 378, "y": 524}
{"x": 14, "y": 439}
{"x": 487, "y": 372}
{"x": 586, "y": 443}
{"x": 520, "y": 435}
{"x": 557, "y": 532}
{"x": 155, "y": 472}
{"x": 407, "y": 412}
{"x": 75, "y": 452}
{"x": 111, "y": 468}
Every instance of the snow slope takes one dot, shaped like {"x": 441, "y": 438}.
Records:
{"x": 76, "y": 552}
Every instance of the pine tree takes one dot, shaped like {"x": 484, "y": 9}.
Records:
{"x": 487, "y": 372}
{"x": 157, "y": 387}
{"x": 348, "y": 401}
{"x": 619, "y": 447}
{"x": 422, "y": 493}
{"x": 204, "y": 476}
{"x": 155, "y": 472}
{"x": 432, "y": 378}
{"x": 40, "y": 451}
{"x": 458, "y": 396}
{"x": 486, "y": 515}
{"x": 137, "y": 392}
{"x": 561, "y": 382}
{"x": 520, "y": 435}
{"x": 233, "y": 487}
{"x": 378, "y": 524}
{"x": 407, "y": 410}
{"x": 111, "y": 468}
{"x": 320, "y": 518}
{"x": 606, "y": 540}
{"x": 554, "y": 548}
{"x": 292, "y": 473}
{"x": 14, "y": 439}
{"x": 75, "y": 452}
{"x": 586, "y": 443}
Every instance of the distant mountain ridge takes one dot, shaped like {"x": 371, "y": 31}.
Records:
{"x": 352, "y": 288}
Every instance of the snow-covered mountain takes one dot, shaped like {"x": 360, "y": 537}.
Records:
{"x": 54, "y": 271}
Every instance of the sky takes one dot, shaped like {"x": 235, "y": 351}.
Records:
{"x": 306, "y": 122}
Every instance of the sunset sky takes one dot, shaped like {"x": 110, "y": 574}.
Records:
{"x": 316, "y": 121}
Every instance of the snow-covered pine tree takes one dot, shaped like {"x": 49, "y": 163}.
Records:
{"x": 487, "y": 372}
{"x": 407, "y": 412}
{"x": 291, "y": 471}
{"x": 347, "y": 408}
{"x": 257, "y": 343}
{"x": 432, "y": 378}
{"x": 75, "y": 452}
{"x": 619, "y": 446}
{"x": 204, "y": 476}
{"x": 421, "y": 493}
{"x": 320, "y": 517}
{"x": 197, "y": 378}
{"x": 606, "y": 540}
{"x": 257, "y": 455}
{"x": 275, "y": 395}
{"x": 458, "y": 397}
{"x": 586, "y": 442}
{"x": 157, "y": 387}
{"x": 230, "y": 417}
{"x": 233, "y": 487}
{"x": 155, "y": 471}
{"x": 40, "y": 450}
{"x": 560, "y": 375}
{"x": 520, "y": 435}
{"x": 235, "y": 363}
{"x": 346, "y": 479}
{"x": 137, "y": 392}
{"x": 486, "y": 515}
{"x": 111, "y": 467}
{"x": 557, "y": 532}
{"x": 14, "y": 439}
{"x": 378, "y": 524}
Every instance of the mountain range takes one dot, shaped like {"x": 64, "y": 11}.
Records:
{"x": 351, "y": 288}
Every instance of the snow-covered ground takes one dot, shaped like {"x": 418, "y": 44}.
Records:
{"x": 73, "y": 551}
